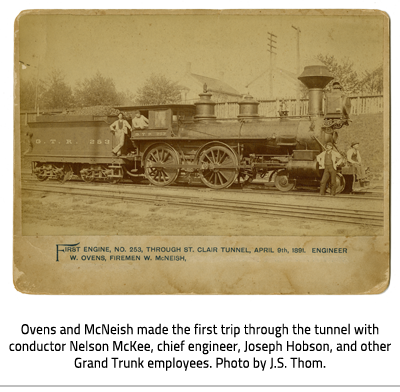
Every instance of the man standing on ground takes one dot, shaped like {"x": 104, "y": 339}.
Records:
{"x": 354, "y": 157}
{"x": 328, "y": 160}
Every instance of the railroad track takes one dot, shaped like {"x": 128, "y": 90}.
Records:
{"x": 375, "y": 193}
{"x": 130, "y": 193}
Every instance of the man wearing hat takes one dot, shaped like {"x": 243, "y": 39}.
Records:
{"x": 354, "y": 157}
{"x": 328, "y": 160}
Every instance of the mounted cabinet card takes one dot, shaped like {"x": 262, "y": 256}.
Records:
{"x": 202, "y": 152}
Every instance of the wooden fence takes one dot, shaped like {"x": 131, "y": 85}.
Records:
{"x": 366, "y": 104}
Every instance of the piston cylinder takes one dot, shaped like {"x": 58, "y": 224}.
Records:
{"x": 303, "y": 169}
{"x": 205, "y": 108}
{"x": 248, "y": 107}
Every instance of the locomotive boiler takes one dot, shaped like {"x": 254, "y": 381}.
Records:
{"x": 184, "y": 142}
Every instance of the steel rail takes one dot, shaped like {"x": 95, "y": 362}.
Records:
{"x": 362, "y": 195}
{"x": 134, "y": 190}
{"x": 242, "y": 207}
{"x": 253, "y": 203}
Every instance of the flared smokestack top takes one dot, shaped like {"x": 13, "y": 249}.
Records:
{"x": 315, "y": 78}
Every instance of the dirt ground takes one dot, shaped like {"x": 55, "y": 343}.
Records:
{"x": 54, "y": 214}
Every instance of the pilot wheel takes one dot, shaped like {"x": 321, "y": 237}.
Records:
{"x": 340, "y": 184}
{"x": 283, "y": 182}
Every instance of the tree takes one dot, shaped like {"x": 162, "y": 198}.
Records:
{"x": 126, "y": 98}
{"x": 372, "y": 83}
{"x": 57, "y": 94}
{"x": 27, "y": 90}
{"x": 342, "y": 72}
{"x": 158, "y": 90}
{"x": 98, "y": 90}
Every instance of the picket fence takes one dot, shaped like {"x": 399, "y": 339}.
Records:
{"x": 366, "y": 104}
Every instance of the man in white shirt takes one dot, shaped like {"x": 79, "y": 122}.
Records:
{"x": 120, "y": 129}
{"x": 354, "y": 157}
{"x": 328, "y": 160}
{"x": 139, "y": 121}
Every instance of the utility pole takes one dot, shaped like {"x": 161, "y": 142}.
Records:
{"x": 37, "y": 87}
{"x": 271, "y": 52}
{"x": 298, "y": 70}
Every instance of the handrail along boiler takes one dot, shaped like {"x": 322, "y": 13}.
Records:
{"x": 188, "y": 141}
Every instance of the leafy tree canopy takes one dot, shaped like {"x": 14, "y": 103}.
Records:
{"x": 372, "y": 83}
{"x": 158, "y": 90}
{"x": 57, "y": 94}
{"x": 343, "y": 73}
{"x": 126, "y": 98}
{"x": 27, "y": 94}
{"x": 97, "y": 90}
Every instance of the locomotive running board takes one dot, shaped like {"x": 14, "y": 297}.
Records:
{"x": 203, "y": 166}
{"x": 211, "y": 167}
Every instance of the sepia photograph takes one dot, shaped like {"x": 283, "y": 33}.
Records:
{"x": 217, "y": 114}
{"x": 203, "y": 152}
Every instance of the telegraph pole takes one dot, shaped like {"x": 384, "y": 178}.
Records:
{"x": 37, "y": 88}
{"x": 271, "y": 52}
{"x": 298, "y": 70}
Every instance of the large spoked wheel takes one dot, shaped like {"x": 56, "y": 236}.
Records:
{"x": 219, "y": 167}
{"x": 340, "y": 184}
{"x": 283, "y": 182}
{"x": 161, "y": 154}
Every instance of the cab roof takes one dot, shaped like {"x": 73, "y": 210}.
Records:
{"x": 154, "y": 107}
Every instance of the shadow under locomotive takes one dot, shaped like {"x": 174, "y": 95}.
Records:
{"x": 188, "y": 142}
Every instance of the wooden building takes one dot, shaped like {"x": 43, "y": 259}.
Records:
{"x": 192, "y": 84}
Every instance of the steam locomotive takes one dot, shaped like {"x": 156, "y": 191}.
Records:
{"x": 187, "y": 142}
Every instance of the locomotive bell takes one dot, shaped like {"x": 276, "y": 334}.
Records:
{"x": 248, "y": 107}
{"x": 205, "y": 106}
{"x": 315, "y": 78}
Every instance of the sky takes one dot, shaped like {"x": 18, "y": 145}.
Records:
{"x": 129, "y": 48}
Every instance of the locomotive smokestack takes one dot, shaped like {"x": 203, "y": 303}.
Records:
{"x": 315, "y": 78}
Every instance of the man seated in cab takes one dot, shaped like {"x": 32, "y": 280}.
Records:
{"x": 354, "y": 157}
{"x": 139, "y": 121}
{"x": 120, "y": 129}
{"x": 329, "y": 160}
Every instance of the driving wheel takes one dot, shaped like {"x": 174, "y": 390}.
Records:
{"x": 219, "y": 167}
{"x": 155, "y": 171}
